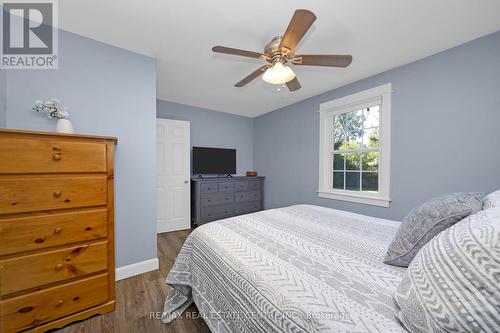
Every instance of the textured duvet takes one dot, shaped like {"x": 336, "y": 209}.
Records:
{"x": 296, "y": 269}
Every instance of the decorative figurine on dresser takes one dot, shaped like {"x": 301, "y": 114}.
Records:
{"x": 56, "y": 229}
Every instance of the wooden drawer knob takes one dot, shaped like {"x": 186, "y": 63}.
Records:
{"x": 57, "y": 230}
{"x": 56, "y": 157}
{"x": 57, "y": 194}
{"x": 59, "y": 303}
{"x": 59, "y": 267}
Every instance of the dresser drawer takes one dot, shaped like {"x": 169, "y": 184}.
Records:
{"x": 26, "y": 155}
{"x": 208, "y": 187}
{"x": 227, "y": 211}
{"x": 217, "y": 212}
{"x": 214, "y": 199}
{"x": 240, "y": 186}
{"x": 42, "y": 231}
{"x": 28, "y": 194}
{"x": 248, "y": 207}
{"x": 254, "y": 185}
{"x": 248, "y": 196}
{"x": 209, "y": 200}
{"x": 52, "y": 266}
{"x": 210, "y": 213}
{"x": 28, "y": 311}
{"x": 226, "y": 198}
{"x": 225, "y": 187}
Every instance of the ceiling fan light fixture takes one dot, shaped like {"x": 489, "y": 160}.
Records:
{"x": 281, "y": 51}
{"x": 278, "y": 73}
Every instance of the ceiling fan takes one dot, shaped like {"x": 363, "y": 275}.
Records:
{"x": 281, "y": 51}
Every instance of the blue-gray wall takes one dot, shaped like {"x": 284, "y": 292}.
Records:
{"x": 109, "y": 91}
{"x": 215, "y": 129}
{"x": 3, "y": 98}
{"x": 445, "y": 132}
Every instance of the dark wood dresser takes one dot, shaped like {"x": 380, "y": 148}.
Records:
{"x": 219, "y": 198}
{"x": 56, "y": 229}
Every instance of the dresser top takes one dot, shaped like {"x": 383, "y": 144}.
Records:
{"x": 225, "y": 179}
{"x": 58, "y": 135}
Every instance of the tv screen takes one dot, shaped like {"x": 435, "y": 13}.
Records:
{"x": 214, "y": 161}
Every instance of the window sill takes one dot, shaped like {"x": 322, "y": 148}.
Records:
{"x": 357, "y": 198}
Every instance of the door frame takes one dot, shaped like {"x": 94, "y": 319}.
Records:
{"x": 188, "y": 123}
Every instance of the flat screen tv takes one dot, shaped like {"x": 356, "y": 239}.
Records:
{"x": 215, "y": 161}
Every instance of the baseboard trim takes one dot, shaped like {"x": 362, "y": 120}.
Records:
{"x": 136, "y": 268}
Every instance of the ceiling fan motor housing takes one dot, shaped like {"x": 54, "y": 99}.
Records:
{"x": 276, "y": 52}
{"x": 273, "y": 45}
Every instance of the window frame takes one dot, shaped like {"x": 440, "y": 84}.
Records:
{"x": 357, "y": 101}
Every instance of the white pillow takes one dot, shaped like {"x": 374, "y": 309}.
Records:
{"x": 452, "y": 284}
{"x": 492, "y": 200}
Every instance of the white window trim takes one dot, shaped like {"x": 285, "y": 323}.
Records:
{"x": 345, "y": 104}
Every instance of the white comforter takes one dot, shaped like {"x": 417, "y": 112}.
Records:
{"x": 296, "y": 269}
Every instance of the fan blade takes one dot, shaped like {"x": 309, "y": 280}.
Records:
{"x": 301, "y": 22}
{"x": 322, "y": 60}
{"x": 293, "y": 84}
{"x": 238, "y": 52}
{"x": 252, "y": 76}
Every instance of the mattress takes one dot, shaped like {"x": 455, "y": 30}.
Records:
{"x": 296, "y": 269}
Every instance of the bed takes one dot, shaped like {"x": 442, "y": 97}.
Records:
{"x": 301, "y": 268}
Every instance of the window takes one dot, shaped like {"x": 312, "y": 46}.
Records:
{"x": 355, "y": 147}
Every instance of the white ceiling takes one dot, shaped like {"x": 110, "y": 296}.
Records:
{"x": 380, "y": 35}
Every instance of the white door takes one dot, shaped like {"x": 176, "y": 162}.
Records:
{"x": 173, "y": 188}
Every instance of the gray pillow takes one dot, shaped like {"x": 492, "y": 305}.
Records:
{"x": 428, "y": 220}
{"x": 452, "y": 285}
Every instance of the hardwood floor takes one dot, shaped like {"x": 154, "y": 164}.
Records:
{"x": 140, "y": 298}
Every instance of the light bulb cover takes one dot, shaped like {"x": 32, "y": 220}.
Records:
{"x": 278, "y": 73}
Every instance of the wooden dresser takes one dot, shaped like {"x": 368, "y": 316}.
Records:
{"x": 56, "y": 229}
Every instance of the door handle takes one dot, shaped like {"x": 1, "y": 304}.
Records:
{"x": 186, "y": 181}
